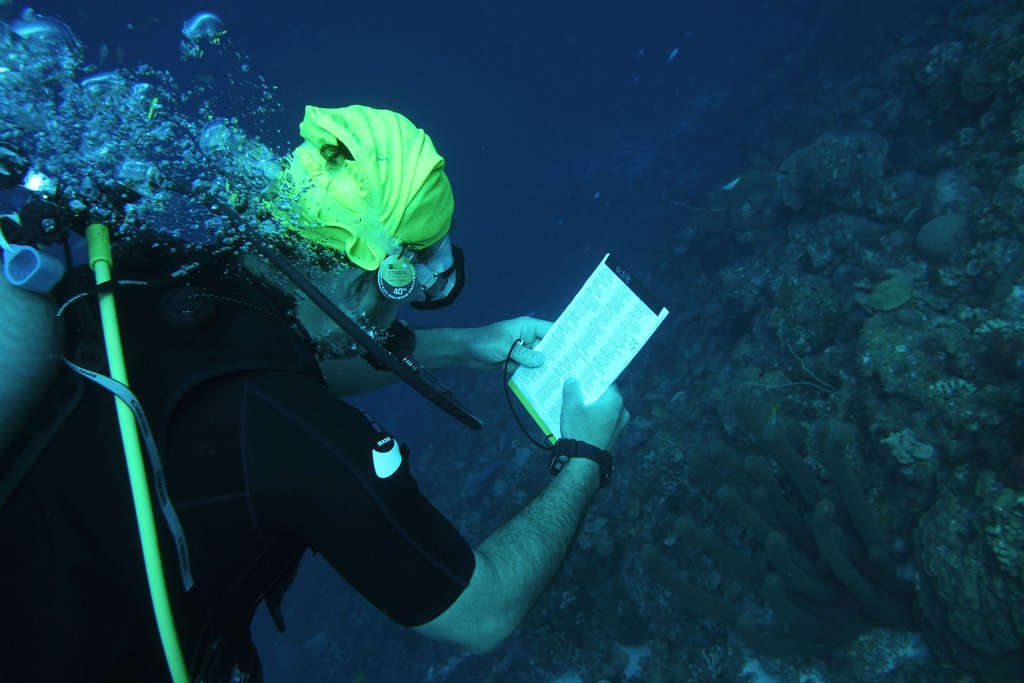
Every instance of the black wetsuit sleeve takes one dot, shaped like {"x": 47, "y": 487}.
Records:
{"x": 325, "y": 471}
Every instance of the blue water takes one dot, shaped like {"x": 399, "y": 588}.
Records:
{"x": 537, "y": 108}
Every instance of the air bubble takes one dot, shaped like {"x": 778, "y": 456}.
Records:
{"x": 204, "y": 25}
{"x": 100, "y": 84}
{"x": 218, "y": 135}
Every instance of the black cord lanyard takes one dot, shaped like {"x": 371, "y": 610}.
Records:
{"x": 511, "y": 407}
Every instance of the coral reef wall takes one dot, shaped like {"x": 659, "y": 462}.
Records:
{"x": 872, "y": 285}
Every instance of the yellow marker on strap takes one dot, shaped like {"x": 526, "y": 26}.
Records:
{"x": 97, "y": 239}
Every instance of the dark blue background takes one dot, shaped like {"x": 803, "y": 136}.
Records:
{"x": 537, "y": 106}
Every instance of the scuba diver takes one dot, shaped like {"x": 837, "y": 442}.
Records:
{"x": 236, "y": 365}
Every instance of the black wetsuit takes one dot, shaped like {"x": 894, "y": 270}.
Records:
{"x": 261, "y": 461}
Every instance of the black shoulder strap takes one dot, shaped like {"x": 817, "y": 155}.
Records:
{"x": 182, "y": 326}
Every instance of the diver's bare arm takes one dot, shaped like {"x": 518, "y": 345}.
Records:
{"x": 516, "y": 563}
{"x": 483, "y": 347}
{"x": 442, "y": 347}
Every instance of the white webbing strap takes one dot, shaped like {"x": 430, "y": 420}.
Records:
{"x": 166, "y": 507}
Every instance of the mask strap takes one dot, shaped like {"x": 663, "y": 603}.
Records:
{"x": 459, "y": 266}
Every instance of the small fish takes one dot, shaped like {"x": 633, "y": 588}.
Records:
{"x": 597, "y": 195}
{"x": 641, "y": 53}
{"x": 672, "y": 55}
{"x": 731, "y": 185}
{"x": 101, "y": 58}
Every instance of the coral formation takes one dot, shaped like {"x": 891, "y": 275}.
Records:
{"x": 971, "y": 592}
{"x": 875, "y": 295}
{"x": 820, "y": 560}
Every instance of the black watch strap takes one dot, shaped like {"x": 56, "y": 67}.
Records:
{"x": 566, "y": 449}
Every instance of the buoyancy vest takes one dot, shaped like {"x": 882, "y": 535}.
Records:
{"x": 180, "y": 330}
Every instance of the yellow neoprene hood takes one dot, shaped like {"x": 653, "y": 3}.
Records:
{"x": 392, "y": 192}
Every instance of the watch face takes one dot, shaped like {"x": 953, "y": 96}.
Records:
{"x": 565, "y": 449}
{"x": 557, "y": 463}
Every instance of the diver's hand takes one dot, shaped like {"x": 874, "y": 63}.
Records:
{"x": 598, "y": 424}
{"x": 487, "y": 346}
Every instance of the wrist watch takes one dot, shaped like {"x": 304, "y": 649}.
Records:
{"x": 565, "y": 449}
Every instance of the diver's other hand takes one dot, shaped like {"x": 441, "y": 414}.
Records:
{"x": 487, "y": 346}
{"x": 598, "y": 424}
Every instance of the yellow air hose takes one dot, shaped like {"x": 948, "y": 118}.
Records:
{"x": 98, "y": 239}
